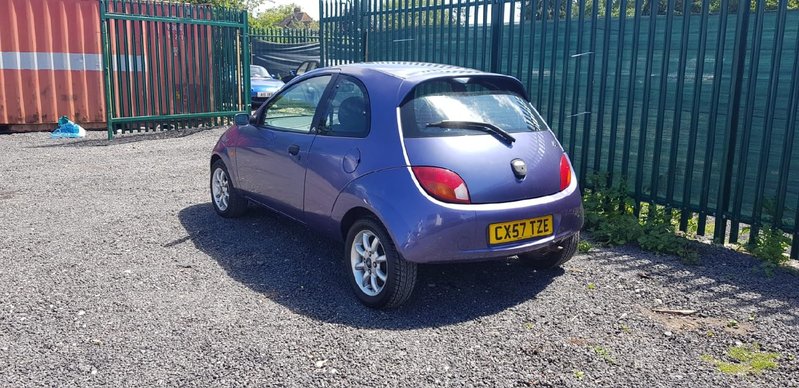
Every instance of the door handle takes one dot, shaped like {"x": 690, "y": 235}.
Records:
{"x": 294, "y": 149}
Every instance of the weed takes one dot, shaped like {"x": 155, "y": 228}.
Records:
{"x": 732, "y": 323}
{"x": 610, "y": 217}
{"x": 710, "y": 333}
{"x": 625, "y": 328}
{"x": 591, "y": 286}
{"x": 584, "y": 246}
{"x": 746, "y": 359}
{"x": 604, "y": 354}
{"x": 529, "y": 325}
{"x": 578, "y": 374}
{"x": 770, "y": 246}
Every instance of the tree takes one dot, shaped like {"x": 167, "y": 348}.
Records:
{"x": 248, "y": 5}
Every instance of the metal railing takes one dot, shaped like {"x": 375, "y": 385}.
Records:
{"x": 693, "y": 103}
{"x": 285, "y": 35}
{"x": 171, "y": 65}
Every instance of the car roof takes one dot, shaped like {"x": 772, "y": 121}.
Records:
{"x": 407, "y": 71}
{"x": 404, "y": 76}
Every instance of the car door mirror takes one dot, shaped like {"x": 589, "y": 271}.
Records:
{"x": 241, "y": 119}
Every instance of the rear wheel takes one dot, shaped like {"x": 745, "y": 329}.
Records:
{"x": 377, "y": 273}
{"x": 226, "y": 199}
{"x": 565, "y": 251}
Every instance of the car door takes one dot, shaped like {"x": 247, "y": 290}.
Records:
{"x": 336, "y": 151}
{"x": 271, "y": 158}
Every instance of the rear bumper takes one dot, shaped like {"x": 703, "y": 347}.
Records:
{"x": 428, "y": 231}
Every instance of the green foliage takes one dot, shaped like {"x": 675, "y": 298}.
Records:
{"x": 745, "y": 359}
{"x": 249, "y": 5}
{"x": 584, "y": 246}
{"x": 771, "y": 243}
{"x": 417, "y": 13}
{"x": 578, "y": 374}
{"x": 273, "y": 16}
{"x": 610, "y": 217}
{"x": 770, "y": 246}
{"x": 608, "y": 212}
{"x": 604, "y": 354}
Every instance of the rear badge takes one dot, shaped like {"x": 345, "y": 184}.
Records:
{"x": 519, "y": 168}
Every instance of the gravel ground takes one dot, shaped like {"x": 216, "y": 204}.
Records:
{"x": 114, "y": 270}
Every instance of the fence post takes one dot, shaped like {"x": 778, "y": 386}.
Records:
{"x": 322, "y": 33}
{"x": 497, "y": 18}
{"x": 247, "y": 61}
{"x": 739, "y": 60}
{"x": 109, "y": 103}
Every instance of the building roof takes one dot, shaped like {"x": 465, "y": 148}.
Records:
{"x": 296, "y": 17}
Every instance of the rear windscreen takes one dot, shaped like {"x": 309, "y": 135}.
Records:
{"x": 466, "y": 100}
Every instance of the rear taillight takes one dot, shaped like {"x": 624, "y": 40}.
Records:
{"x": 442, "y": 184}
{"x": 565, "y": 172}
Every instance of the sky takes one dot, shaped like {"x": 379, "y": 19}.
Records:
{"x": 309, "y": 6}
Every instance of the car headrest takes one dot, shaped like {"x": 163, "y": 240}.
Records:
{"x": 352, "y": 115}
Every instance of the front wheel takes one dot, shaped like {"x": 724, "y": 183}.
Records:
{"x": 226, "y": 199}
{"x": 377, "y": 273}
{"x": 563, "y": 253}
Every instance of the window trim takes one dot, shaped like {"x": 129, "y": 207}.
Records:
{"x": 329, "y": 105}
{"x": 261, "y": 112}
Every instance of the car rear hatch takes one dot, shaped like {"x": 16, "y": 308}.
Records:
{"x": 485, "y": 132}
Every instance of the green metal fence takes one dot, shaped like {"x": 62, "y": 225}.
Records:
{"x": 285, "y": 35}
{"x": 170, "y": 65}
{"x": 694, "y": 105}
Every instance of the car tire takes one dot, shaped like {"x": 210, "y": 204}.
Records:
{"x": 227, "y": 201}
{"x": 378, "y": 283}
{"x": 565, "y": 251}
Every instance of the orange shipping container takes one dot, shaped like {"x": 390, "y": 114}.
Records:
{"x": 50, "y": 64}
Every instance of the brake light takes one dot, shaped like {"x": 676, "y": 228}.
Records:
{"x": 565, "y": 172}
{"x": 442, "y": 184}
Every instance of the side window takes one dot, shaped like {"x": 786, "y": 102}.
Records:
{"x": 348, "y": 112}
{"x": 293, "y": 110}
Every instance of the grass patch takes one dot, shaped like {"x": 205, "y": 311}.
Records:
{"x": 744, "y": 360}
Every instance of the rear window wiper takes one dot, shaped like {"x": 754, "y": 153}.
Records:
{"x": 475, "y": 125}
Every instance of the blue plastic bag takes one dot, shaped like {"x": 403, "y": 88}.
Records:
{"x": 67, "y": 129}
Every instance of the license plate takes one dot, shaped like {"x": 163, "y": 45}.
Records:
{"x": 264, "y": 94}
{"x": 506, "y": 232}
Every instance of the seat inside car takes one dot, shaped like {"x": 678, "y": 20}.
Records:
{"x": 351, "y": 117}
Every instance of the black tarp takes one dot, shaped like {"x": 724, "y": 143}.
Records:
{"x": 280, "y": 58}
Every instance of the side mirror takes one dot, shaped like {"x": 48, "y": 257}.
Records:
{"x": 241, "y": 119}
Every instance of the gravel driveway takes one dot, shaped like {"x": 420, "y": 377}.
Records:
{"x": 115, "y": 271}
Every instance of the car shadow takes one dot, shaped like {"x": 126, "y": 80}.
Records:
{"x": 729, "y": 282}
{"x": 285, "y": 261}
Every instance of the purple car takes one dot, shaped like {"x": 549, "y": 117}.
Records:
{"x": 407, "y": 164}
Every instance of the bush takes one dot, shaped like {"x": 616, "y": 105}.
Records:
{"x": 610, "y": 218}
